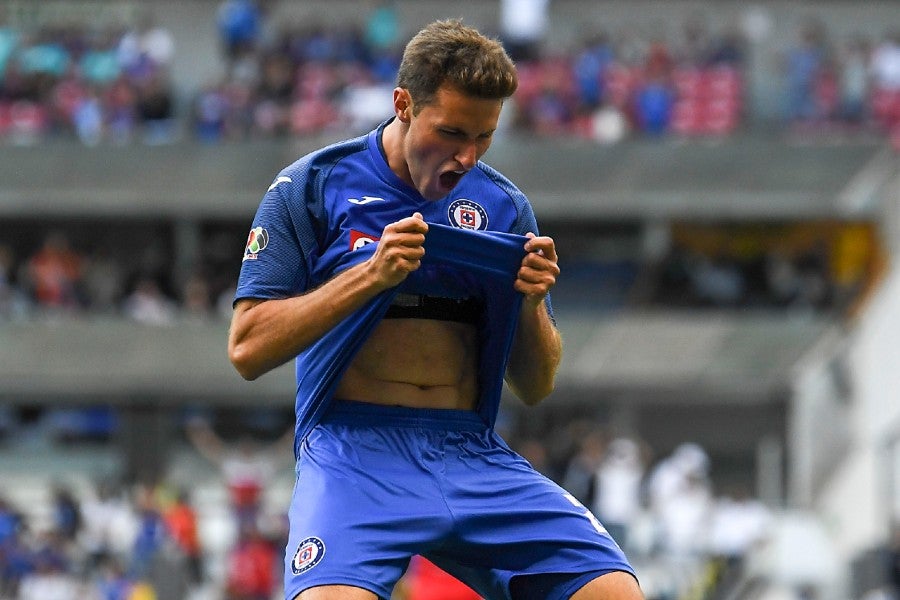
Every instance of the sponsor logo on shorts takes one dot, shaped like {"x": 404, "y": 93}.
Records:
{"x": 358, "y": 239}
{"x": 309, "y": 553}
{"x": 466, "y": 214}
{"x": 256, "y": 243}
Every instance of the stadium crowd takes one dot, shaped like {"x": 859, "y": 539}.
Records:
{"x": 113, "y": 84}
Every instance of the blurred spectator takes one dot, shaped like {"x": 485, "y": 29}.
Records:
{"x": 54, "y": 273}
{"x": 109, "y": 524}
{"x": 156, "y": 109}
{"x": 608, "y": 124}
{"x": 103, "y": 280}
{"x": 66, "y": 513}
{"x": 146, "y": 50}
{"x": 728, "y": 48}
{"x": 111, "y": 581}
{"x": 589, "y": 67}
{"x": 523, "y": 25}
{"x": 99, "y": 63}
{"x": 680, "y": 500}
{"x": 182, "y": 525}
{"x": 382, "y": 32}
{"x": 239, "y": 23}
{"x": 251, "y": 564}
{"x": 885, "y": 62}
{"x": 9, "y": 41}
{"x": 13, "y": 302}
{"x": 717, "y": 280}
{"x": 653, "y": 105}
{"x": 738, "y": 523}
{"x": 247, "y": 467}
{"x": 618, "y": 487}
{"x": 581, "y": 470}
{"x": 151, "y": 533}
{"x": 210, "y": 114}
{"x": 88, "y": 119}
{"x": 196, "y": 302}
{"x": 854, "y": 87}
{"x": 147, "y": 304}
{"x": 49, "y": 579}
{"x": 804, "y": 64}
{"x": 693, "y": 47}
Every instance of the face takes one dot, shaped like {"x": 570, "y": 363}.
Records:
{"x": 445, "y": 139}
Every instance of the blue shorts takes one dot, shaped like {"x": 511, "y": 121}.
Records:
{"x": 378, "y": 484}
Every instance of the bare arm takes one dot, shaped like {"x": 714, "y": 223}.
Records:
{"x": 205, "y": 440}
{"x": 537, "y": 347}
{"x": 267, "y": 333}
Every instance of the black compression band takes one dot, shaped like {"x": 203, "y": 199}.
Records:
{"x": 415, "y": 306}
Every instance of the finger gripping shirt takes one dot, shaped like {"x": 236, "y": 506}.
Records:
{"x": 326, "y": 212}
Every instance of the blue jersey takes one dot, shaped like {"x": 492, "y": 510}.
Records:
{"x": 325, "y": 212}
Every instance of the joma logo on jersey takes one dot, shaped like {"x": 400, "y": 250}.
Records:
{"x": 358, "y": 239}
{"x": 365, "y": 200}
{"x": 466, "y": 214}
{"x": 309, "y": 553}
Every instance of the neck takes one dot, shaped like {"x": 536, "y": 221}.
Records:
{"x": 392, "y": 139}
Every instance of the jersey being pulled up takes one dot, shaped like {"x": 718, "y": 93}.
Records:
{"x": 325, "y": 213}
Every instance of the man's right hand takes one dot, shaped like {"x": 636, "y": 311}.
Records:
{"x": 400, "y": 250}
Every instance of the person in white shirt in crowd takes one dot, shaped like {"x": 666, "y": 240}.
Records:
{"x": 738, "y": 522}
{"x": 680, "y": 500}
{"x": 617, "y": 488}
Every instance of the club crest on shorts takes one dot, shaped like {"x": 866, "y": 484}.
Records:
{"x": 309, "y": 553}
{"x": 466, "y": 214}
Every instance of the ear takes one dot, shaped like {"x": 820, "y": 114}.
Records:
{"x": 402, "y": 105}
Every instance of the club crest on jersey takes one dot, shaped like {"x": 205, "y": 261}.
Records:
{"x": 358, "y": 239}
{"x": 466, "y": 214}
{"x": 309, "y": 553}
{"x": 256, "y": 243}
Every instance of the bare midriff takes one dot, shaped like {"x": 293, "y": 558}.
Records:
{"x": 420, "y": 363}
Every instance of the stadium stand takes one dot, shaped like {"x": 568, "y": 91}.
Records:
{"x": 728, "y": 277}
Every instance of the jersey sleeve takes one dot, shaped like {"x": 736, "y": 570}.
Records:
{"x": 275, "y": 263}
{"x": 526, "y": 221}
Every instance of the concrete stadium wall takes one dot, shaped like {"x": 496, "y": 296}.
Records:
{"x": 861, "y": 500}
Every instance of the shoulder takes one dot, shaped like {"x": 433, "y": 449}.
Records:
{"x": 516, "y": 202}
{"x": 503, "y": 184}
{"x": 320, "y": 162}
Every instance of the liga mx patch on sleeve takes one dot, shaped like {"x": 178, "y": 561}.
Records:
{"x": 309, "y": 553}
{"x": 257, "y": 240}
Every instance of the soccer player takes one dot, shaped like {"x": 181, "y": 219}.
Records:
{"x": 408, "y": 279}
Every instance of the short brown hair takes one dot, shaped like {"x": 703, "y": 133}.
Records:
{"x": 448, "y": 52}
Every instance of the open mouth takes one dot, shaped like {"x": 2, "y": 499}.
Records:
{"x": 449, "y": 179}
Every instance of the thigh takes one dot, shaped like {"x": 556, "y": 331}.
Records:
{"x": 356, "y": 515}
{"x": 516, "y": 524}
{"x": 617, "y": 585}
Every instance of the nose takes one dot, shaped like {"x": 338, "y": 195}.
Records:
{"x": 467, "y": 155}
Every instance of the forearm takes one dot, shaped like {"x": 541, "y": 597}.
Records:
{"x": 266, "y": 334}
{"x": 535, "y": 355}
